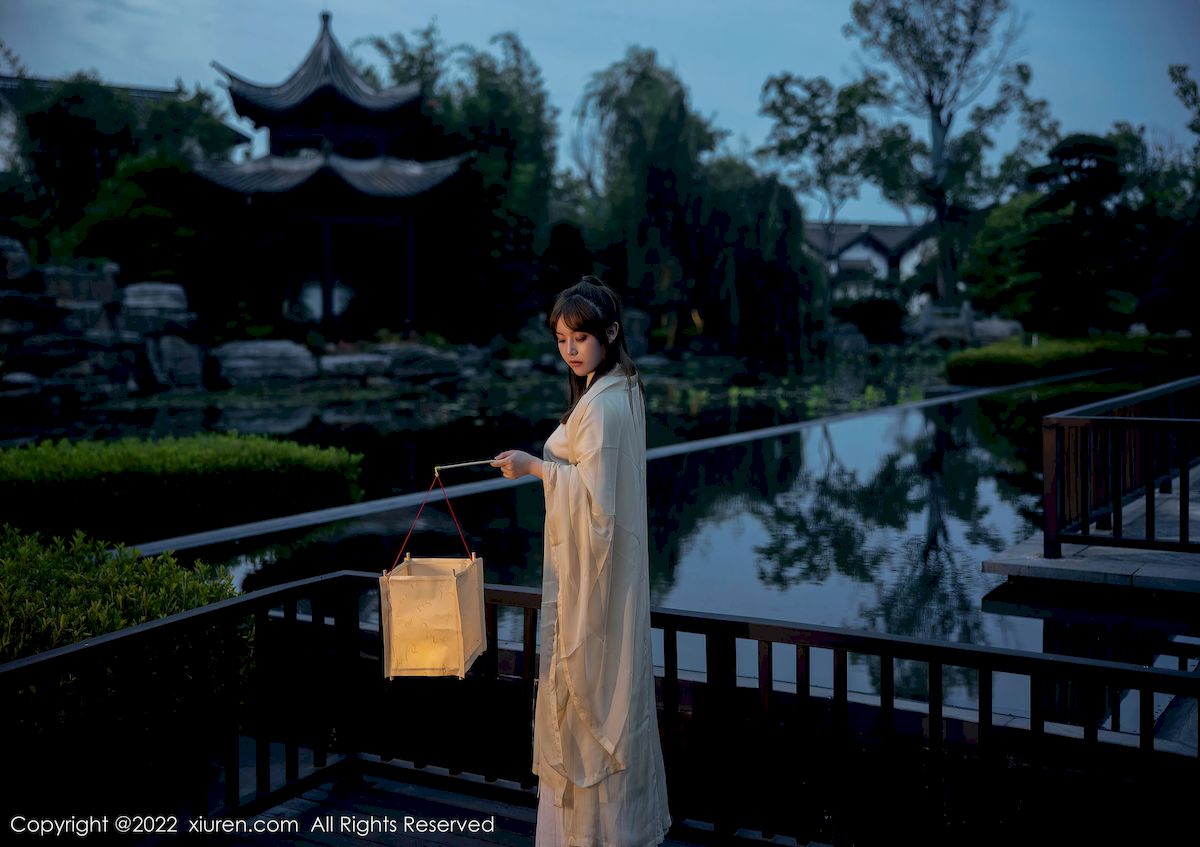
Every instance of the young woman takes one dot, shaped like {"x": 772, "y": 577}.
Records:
{"x": 596, "y": 748}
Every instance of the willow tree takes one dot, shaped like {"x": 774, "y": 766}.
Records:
{"x": 639, "y": 149}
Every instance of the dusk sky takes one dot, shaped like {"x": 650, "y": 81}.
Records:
{"x": 1096, "y": 61}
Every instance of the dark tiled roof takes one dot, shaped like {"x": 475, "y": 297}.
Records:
{"x": 890, "y": 238}
{"x": 10, "y": 90}
{"x": 381, "y": 177}
{"x": 325, "y": 67}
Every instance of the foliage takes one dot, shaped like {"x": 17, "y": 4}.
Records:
{"x": 1099, "y": 243}
{"x": 879, "y": 319}
{"x": 822, "y": 133}
{"x": 151, "y": 489}
{"x": 708, "y": 246}
{"x": 1010, "y": 361}
{"x": 1189, "y": 95}
{"x": 85, "y": 161}
{"x": 65, "y": 590}
{"x": 495, "y": 108}
{"x": 639, "y": 149}
{"x": 945, "y": 54}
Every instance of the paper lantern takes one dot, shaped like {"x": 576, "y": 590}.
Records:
{"x": 431, "y": 611}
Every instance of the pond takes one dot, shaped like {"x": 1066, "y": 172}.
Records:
{"x": 761, "y": 503}
{"x": 875, "y": 521}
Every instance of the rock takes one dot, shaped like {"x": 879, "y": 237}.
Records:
{"x": 512, "y": 368}
{"x": 19, "y": 384}
{"x": 152, "y": 307}
{"x": 14, "y": 260}
{"x": 154, "y": 295}
{"x": 357, "y": 365}
{"x": 97, "y": 283}
{"x": 847, "y": 339}
{"x": 173, "y": 361}
{"x": 83, "y": 315}
{"x": 996, "y": 329}
{"x": 418, "y": 362}
{"x": 637, "y": 332}
{"x": 252, "y": 362}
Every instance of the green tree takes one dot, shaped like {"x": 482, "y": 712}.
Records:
{"x": 640, "y": 150}
{"x": 823, "y": 134}
{"x": 945, "y": 54}
{"x": 1090, "y": 242}
{"x": 82, "y": 154}
{"x": 494, "y": 106}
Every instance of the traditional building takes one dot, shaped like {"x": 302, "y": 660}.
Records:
{"x": 866, "y": 260}
{"x": 346, "y": 170}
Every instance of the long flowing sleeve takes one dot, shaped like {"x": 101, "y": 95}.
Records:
{"x": 590, "y": 678}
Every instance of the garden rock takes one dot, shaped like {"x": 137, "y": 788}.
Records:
{"x": 355, "y": 365}
{"x": 149, "y": 307}
{"x": 512, "y": 368}
{"x": 996, "y": 329}
{"x": 418, "y": 362}
{"x": 173, "y": 361}
{"x": 14, "y": 259}
{"x": 254, "y": 362}
{"x": 19, "y": 384}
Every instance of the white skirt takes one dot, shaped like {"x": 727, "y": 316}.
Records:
{"x": 550, "y": 823}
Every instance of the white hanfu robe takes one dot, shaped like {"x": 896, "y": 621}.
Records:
{"x": 596, "y": 746}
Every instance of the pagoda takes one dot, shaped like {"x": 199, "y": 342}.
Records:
{"x": 344, "y": 158}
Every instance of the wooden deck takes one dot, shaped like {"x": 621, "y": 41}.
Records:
{"x": 382, "y": 811}
{"x": 1152, "y": 569}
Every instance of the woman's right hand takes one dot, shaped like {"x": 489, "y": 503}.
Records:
{"x": 514, "y": 464}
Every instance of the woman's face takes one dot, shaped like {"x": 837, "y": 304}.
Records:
{"x": 582, "y": 351}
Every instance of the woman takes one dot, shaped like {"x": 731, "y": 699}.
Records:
{"x": 596, "y": 748}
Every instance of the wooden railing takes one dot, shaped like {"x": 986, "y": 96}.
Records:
{"x": 232, "y": 708}
{"x": 1098, "y": 458}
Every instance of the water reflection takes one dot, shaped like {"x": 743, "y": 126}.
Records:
{"x": 878, "y": 522}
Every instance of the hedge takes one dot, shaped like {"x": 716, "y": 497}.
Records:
{"x": 1010, "y": 361}
{"x": 136, "y": 491}
{"x": 64, "y": 591}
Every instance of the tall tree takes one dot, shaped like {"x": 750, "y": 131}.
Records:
{"x": 492, "y": 104}
{"x": 642, "y": 146}
{"x": 944, "y": 53}
{"x": 823, "y": 135}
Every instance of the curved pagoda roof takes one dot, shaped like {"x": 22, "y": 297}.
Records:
{"x": 380, "y": 177}
{"x": 326, "y": 68}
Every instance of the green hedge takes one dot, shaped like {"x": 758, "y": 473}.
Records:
{"x": 135, "y": 491}
{"x": 64, "y": 591}
{"x": 1011, "y": 361}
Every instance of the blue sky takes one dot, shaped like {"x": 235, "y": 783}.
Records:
{"x": 1096, "y": 61}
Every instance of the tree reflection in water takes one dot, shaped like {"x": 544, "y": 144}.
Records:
{"x": 830, "y": 521}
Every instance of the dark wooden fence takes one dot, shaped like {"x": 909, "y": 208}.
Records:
{"x": 232, "y": 708}
{"x": 1098, "y": 458}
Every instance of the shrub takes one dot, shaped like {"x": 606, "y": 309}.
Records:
{"x": 63, "y": 591}
{"x": 1011, "y": 361}
{"x": 879, "y": 319}
{"x": 134, "y": 490}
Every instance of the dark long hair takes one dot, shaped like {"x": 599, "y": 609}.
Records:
{"x": 591, "y": 306}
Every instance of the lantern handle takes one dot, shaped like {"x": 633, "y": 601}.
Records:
{"x": 437, "y": 480}
{"x": 437, "y": 468}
